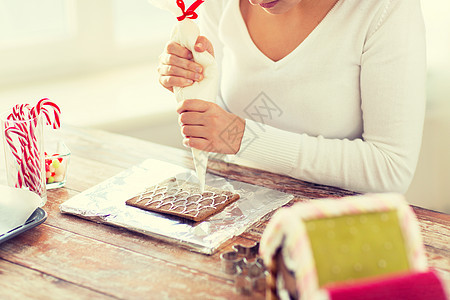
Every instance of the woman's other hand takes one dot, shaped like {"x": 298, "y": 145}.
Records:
{"x": 207, "y": 126}
{"x": 177, "y": 67}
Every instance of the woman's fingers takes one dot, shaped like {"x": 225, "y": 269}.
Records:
{"x": 171, "y": 70}
{"x": 193, "y": 105}
{"x": 176, "y": 67}
{"x": 194, "y": 142}
{"x": 180, "y": 62}
{"x": 191, "y": 118}
{"x": 178, "y": 50}
{"x": 206, "y": 125}
{"x": 197, "y": 131}
{"x": 203, "y": 44}
{"x": 170, "y": 81}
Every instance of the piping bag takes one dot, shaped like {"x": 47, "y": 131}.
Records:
{"x": 185, "y": 33}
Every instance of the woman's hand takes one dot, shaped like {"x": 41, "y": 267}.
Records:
{"x": 176, "y": 66}
{"x": 207, "y": 126}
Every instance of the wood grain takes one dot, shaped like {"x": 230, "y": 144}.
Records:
{"x": 26, "y": 283}
{"x": 110, "y": 269}
{"x": 130, "y": 240}
{"x": 68, "y": 257}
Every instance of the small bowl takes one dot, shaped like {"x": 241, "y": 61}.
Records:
{"x": 56, "y": 166}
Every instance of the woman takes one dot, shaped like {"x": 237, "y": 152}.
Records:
{"x": 327, "y": 91}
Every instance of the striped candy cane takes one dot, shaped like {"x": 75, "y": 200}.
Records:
{"x": 21, "y": 138}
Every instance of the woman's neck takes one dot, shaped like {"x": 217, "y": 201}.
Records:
{"x": 277, "y": 35}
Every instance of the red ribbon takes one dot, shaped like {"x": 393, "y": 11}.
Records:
{"x": 190, "y": 12}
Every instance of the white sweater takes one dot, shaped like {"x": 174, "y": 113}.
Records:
{"x": 345, "y": 108}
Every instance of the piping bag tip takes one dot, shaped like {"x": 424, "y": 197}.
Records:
{"x": 200, "y": 162}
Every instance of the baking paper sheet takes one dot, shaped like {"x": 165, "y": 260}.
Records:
{"x": 105, "y": 203}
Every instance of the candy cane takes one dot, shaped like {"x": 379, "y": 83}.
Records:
{"x": 46, "y": 107}
{"x": 32, "y": 142}
{"x": 32, "y": 159}
{"x": 28, "y": 157}
{"x": 23, "y": 140}
{"x": 10, "y": 140}
{"x": 20, "y": 179}
{"x": 24, "y": 171}
{"x": 33, "y": 170}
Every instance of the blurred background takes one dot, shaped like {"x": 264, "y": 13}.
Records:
{"x": 98, "y": 59}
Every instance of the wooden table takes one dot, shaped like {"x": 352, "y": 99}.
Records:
{"x": 71, "y": 258}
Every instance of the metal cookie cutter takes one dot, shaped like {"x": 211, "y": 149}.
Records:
{"x": 246, "y": 267}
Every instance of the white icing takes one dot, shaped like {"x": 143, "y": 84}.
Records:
{"x": 181, "y": 200}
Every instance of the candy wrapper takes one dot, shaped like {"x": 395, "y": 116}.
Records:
{"x": 185, "y": 33}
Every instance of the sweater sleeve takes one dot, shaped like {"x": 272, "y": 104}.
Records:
{"x": 392, "y": 83}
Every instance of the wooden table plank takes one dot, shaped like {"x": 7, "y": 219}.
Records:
{"x": 71, "y": 256}
{"x": 31, "y": 284}
{"x": 110, "y": 269}
{"x": 124, "y": 151}
{"x": 85, "y": 173}
{"x": 127, "y": 239}
{"x": 121, "y": 151}
{"x": 435, "y": 236}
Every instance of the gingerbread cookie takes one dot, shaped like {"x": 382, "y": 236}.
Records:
{"x": 183, "y": 199}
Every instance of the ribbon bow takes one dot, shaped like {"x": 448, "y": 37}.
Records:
{"x": 190, "y": 12}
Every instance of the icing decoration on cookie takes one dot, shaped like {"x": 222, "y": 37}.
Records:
{"x": 183, "y": 199}
{"x": 176, "y": 199}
